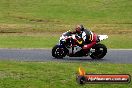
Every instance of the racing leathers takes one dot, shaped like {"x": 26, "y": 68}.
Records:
{"x": 89, "y": 38}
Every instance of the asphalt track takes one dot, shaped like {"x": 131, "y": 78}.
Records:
{"x": 113, "y": 56}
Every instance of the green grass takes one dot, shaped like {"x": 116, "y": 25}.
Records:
{"x": 28, "y": 41}
{"x": 39, "y": 23}
{"x": 48, "y": 41}
{"x": 111, "y": 17}
{"x": 122, "y": 41}
{"x": 66, "y": 12}
{"x": 69, "y": 10}
{"x": 15, "y": 74}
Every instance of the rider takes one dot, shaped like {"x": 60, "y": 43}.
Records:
{"x": 89, "y": 38}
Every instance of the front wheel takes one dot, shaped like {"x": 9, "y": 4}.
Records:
{"x": 100, "y": 51}
{"x": 58, "y": 52}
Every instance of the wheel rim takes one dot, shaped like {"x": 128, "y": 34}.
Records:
{"x": 98, "y": 52}
{"x": 59, "y": 51}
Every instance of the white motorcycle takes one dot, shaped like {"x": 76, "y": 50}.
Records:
{"x": 68, "y": 46}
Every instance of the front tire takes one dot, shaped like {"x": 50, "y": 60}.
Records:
{"x": 100, "y": 51}
{"x": 58, "y": 52}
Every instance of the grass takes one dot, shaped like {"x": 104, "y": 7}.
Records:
{"x": 56, "y": 74}
{"x": 111, "y": 17}
{"x": 28, "y": 41}
{"x": 48, "y": 41}
{"x": 66, "y": 11}
{"x": 122, "y": 41}
{"x": 39, "y": 23}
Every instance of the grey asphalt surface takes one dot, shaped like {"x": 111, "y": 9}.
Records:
{"x": 113, "y": 56}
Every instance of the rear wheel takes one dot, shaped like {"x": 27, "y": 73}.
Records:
{"x": 58, "y": 52}
{"x": 100, "y": 51}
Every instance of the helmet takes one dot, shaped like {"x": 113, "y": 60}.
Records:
{"x": 79, "y": 28}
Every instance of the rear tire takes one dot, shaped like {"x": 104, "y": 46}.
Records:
{"x": 100, "y": 51}
{"x": 58, "y": 52}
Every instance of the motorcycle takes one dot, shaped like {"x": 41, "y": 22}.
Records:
{"x": 71, "y": 45}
